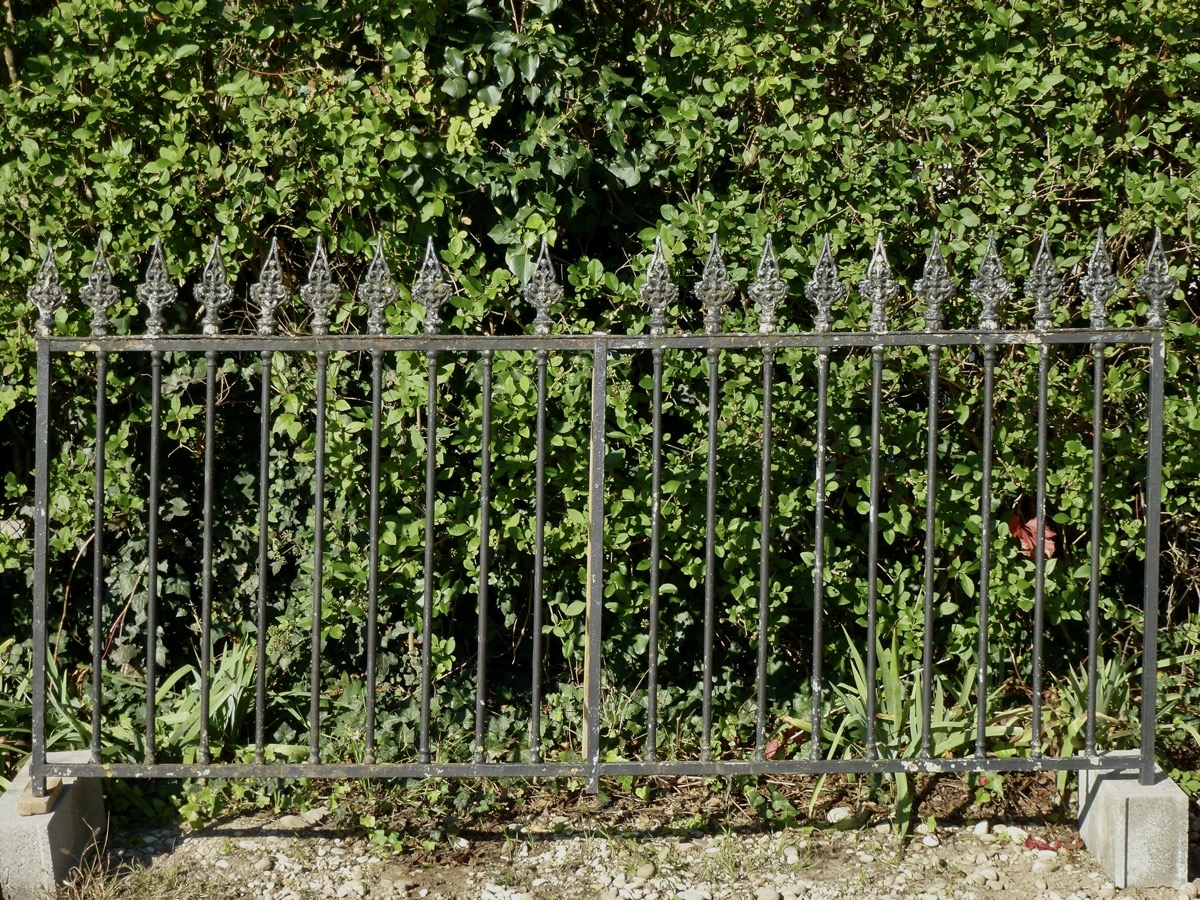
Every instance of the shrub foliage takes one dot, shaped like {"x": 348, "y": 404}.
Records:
{"x": 488, "y": 127}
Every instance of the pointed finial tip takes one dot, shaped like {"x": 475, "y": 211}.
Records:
{"x": 768, "y": 255}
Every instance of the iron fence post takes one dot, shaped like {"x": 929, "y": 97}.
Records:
{"x": 41, "y": 527}
{"x": 1153, "y": 516}
{"x": 595, "y": 565}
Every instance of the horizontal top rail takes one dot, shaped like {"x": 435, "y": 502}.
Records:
{"x": 990, "y": 289}
{"x": 587, "y": 342}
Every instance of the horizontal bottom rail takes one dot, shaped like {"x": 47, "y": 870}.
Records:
{"x": 573, "y": 769}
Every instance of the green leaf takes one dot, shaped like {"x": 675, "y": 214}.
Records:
{"x": 456, "y": 87}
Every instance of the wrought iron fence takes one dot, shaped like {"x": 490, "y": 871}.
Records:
{"x": 989, "y": 289}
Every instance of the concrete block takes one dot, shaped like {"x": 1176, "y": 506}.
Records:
{"x": 1138, "y": 833}
{"x": 37, "y": 852}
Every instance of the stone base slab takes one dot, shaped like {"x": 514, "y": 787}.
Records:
{"x": 39, "y": 850}
{"x": 1138, "y": 833}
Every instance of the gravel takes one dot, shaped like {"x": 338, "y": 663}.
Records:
{"x": 550, "y": 855}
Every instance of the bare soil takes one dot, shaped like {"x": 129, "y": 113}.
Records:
{"x": 696, "y": 840}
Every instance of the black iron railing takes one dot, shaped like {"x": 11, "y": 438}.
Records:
{"x": 990, "y": 289}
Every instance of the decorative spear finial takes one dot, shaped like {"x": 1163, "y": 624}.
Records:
{"x": 767, "y": 290}
{"x": 1157, "y": 284}
{"x": 824, "y": 289}
{"x": 543, "y": 290}
{"x": 879, "y": 287}
{"x": 213, "y": 291}
{"x": 659, "y": 291}
{"x": 46, "y": 293}
{"x": 156, "y": 290}
{"x": 1043, "y": 285}
{"x": 319, "y": 292}
{"x": 377, "y": 289}
{"x": 430, "y": 289}
{"x": 990, "y": 287}
{"x": 98, "y": 292}
{"x": 270, "y": 291}
{"x": 935, "y": 287}
{"x": 714, "y": 290}
{"x": 1099, "y": 283}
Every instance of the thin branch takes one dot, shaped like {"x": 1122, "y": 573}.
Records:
{"x": 10, "y": 59}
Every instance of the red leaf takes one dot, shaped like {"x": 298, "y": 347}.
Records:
{"x": 1025, "y": 533}
{"x": 1035, "y": 843}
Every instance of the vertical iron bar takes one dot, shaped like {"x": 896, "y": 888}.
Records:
{"x": 819, "y": 549}
{"x": 41, "y": 537}
{"x": 1097, "y": 519}
{"x": 427, "y": 600}
{"x": 152, "y": 555}
{"x": 985, "y": 552}
{"x": 539, "y": 562}
{"x": 710, "y": 554}
{"x": 931, "y": 440}
{"x": 595, "y": 565}
{"x": 373, "y": 549}
{"x": 314, "y": 708}
{"x": 264, "y": 477}
{"x": 1039, "y": 553}
{"x": 1153, "y": 513}
{"x": 764, "y": 556}
{"x": 210, "y": 402}
{"x": 873, "y": 552}
{"x": 98, "y": 550}
{"x": 485, "y": 508}
{"x": 655, "y": 557}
